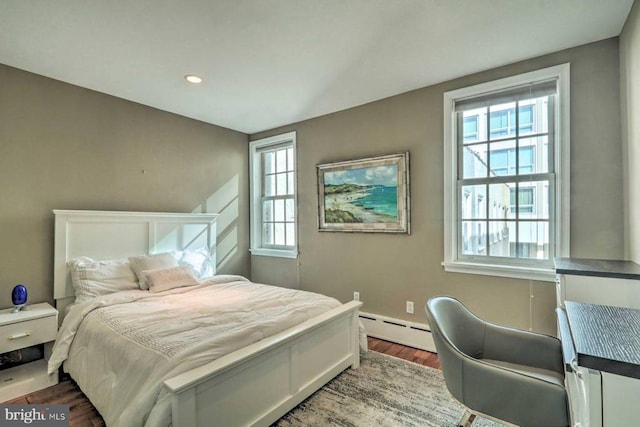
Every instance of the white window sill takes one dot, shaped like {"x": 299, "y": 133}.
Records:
{"x": 280, "y": 253}
{"x": 516, "y": 272}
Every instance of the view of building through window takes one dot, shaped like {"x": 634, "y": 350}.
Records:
{"x": 505, "y": 169}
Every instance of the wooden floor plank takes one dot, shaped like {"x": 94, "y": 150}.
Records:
{"x": 83, "y": 414}
{"x": 404, "y": 352}
{"x": 22, "y": 400}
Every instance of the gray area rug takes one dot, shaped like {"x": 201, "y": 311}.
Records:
{"x": 384, "y": 391}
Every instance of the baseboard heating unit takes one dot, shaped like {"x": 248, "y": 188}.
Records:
{"x": 417, "y": 335}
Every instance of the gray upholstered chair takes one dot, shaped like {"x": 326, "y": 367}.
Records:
{"x": 506, "y": 374}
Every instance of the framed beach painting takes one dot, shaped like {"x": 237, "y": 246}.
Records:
{"x": 365, "y": 195}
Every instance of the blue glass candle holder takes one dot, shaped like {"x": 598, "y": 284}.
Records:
{"x": 19, "y": 297}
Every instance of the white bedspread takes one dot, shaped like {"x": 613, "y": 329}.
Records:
{"x": 121, "y": 347}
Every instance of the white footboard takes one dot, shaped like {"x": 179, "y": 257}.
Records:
{"x": 258, "y": 384}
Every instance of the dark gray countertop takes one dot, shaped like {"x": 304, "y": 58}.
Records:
{"x": 606, "y": 338}
{"x": 598, "y": 267}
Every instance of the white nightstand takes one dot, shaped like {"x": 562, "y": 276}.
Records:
{"x": 38, "y": 325}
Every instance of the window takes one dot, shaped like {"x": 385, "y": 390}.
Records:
{"x": 503, "y": 162}
{"x": 470, "y": 128}
{"x": 507, "y": 175}
{"x": 273, "y": 196}
{"x": 526, "y": 200}
{"x": 503, "y": 120}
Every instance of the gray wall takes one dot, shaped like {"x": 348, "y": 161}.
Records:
{"x": 387, "y": 270}
{"x": 65, "y": 147}
{"x": 630, "y": 100}
{"x": 275, "y": 271}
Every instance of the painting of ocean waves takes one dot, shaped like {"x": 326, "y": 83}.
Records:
{"x": 382, "y": 200}
{"x": 363, "y": 195}
{"x": 369, "y": 195}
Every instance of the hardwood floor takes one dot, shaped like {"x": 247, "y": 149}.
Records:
{"x": 421, "y": 357}
{"x": 83, "y": 414}
{"x": 81, "y": 411}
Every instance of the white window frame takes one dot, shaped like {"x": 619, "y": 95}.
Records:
{"x": 561, "y": 204}
{"x": 255, "y": 148}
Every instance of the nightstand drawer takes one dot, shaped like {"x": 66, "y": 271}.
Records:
{"x": 27, "y": 333}
{"x": 25, "y": 379}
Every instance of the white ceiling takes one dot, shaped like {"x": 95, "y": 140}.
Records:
{"x": 268, "y": 63}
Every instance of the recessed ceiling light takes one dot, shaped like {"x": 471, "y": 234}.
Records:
{"x": 192, "y": 78}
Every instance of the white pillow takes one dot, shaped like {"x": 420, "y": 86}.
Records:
{"x": 150, "y": 262}
{"x": 199, "y": 260}
{"x": 163, "y": 279}
{"x": 94, "y": 278}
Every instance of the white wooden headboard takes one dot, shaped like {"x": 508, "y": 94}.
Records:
{"x": 114, "y": 235}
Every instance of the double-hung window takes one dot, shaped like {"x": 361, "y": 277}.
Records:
{"x": 273, "y": 196}
{"x": 507, "y": 175}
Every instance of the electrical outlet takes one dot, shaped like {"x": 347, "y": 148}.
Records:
{"x": 410, "y": 307}
{"x": 356, "y": 296}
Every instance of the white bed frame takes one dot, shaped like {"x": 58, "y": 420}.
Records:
{"x": 254, "y": 385}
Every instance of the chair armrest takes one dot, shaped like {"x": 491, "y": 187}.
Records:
{"x": 512, "y": 396}
{"x": 523, "y": 347}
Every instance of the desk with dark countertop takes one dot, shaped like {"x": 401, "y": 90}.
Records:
{"x": 605, "y": 338}
{"x": 598, "y": 268}
{"x": 601, "y": 349}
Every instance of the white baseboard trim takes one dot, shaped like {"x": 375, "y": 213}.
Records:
{"x": 417, "y": 335}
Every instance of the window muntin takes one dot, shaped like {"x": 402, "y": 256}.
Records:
{"x": 502, "y": 120}
{"x": 526, "y": 200}
{"x": 273, "y": 190}
{"x": 503, "y": 160}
